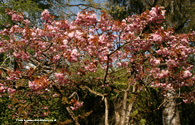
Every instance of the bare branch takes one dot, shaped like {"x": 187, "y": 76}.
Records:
{"x": 92, "y": 91}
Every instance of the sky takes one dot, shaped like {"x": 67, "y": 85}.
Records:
{"x": 76, "y": 10}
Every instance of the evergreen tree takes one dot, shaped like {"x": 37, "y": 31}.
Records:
{"x": 179, "y": 13}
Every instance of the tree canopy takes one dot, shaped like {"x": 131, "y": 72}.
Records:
{"x": 51, "y": 71}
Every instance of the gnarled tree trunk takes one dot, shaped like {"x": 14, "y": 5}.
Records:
{"x": 170, "y": 112}
{"x": 124, "y": 109}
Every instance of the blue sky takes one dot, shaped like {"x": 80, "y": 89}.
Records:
{"x": 76, "y": 10}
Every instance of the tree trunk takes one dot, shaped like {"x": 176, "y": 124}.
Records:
{"x": 170, "y": 112}
{"x": 123, "y": 109}
{"x": 122, "y": 114}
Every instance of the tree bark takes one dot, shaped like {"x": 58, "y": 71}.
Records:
{"x": 126, "y": 108}
{"x": 106, "y": 111}
{"x": 170, "y": 113}
{"x": 130, "y": 109}
{"x": 122, "y": 113}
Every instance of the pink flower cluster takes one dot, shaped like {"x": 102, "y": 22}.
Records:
{"x": 21, "y": 55}
{"x": 163, "y": 51}
{"x": 86, "y": 18}
{"x": 187, "y": 74}
{"x": 159, "y": 74}
{"x": 61, "y": 78}
{"x": 2, "y": 88}
{"x": 16, "y": 17}
{"x": 38, "y": 84}
{"x": 157, "y": 38}
{"x": 45, "y": 15}
{"x": 62, "y": 24}
{"x": 91, "y": 67}
{"x": 184, "y": 51}
{"x": 76, "y": 104}
{"x": 166, "y": 86}
{"x": 105, "y": 22}
{"x": 154, "y": 61}
{"x": 32, "y": 85}
{"x": 55, "y": 58}
{"x": 11, "y": 91}
{"x": 156, "y": 15}
{"x": 13, "y": 75}
{"x": 26, "y": 22}
{"x": 74, "y": 54}
{"x": 171, "y": 63}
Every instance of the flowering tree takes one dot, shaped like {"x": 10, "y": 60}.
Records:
{"x": 61, "y": 58}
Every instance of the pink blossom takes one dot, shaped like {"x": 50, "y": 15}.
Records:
{"x": 14, "y": 29}
{"x": 62, "y": 24}
{"x": 157, "y": 38}
{"x": 71, "y": 34}
{"x": 157, "y": 74}
{"x": 91, "y": 30}
{"x": 26, "y": 22}
{"x": 13, "y": 76}
{"x": 24, "y": 56}
{"x": 156, "y": 15}
{"x": 171, "y": 63}
{"x": 115, "y": 28}
{"x": 45, "y": 15}
{"x": 86, "y": 67}
{"x": 185, "y": 100}
{"x": 193, "y": 78}
{"x": 124, "y": 64}
{"x": 2, "y": 89}
{"x": 153, "y": 12}
{"x": 32, "y": 85}
{"x": 155, "y": 70}
{"x": 105, "y": 58}
{"x": 187, "y": 74}
{"x": 39, "y": 32}
{"x": 103, "y": 29}
{"x": 65, "y": 41}
{"x": 47, "y": 90}
{"x": 45, "y": 107}
{"x": 74, "y": 52}
{"x": 86, "y": 19}
{"x": 102, "y": 39}
{"x": 11, "y": 91}
{"x": 78, "y": 73}
{"x": 163, "y": 51}
{"x": 77, "y": 105}
{"x": 154, "y": 61}
{"x": 16, "y": 17}
{"x": 55, "y": 95}
{"x": 10, "y": 13}
{"x": 60, "y": 76}
{"x": 38, "y": 84}
{"x": 55, "y": 58}
{"x": 163, "y": 74}
{"x": 17, "y": 55}
{"x": 119, "y": 64}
